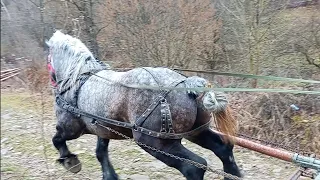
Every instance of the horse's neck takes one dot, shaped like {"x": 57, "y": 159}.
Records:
{"x": 93, "y": 66}
{"x": 70, "y": 77}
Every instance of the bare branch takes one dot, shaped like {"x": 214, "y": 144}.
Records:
{"x": 37, "y": 5}
{"x": 5, "y": 9}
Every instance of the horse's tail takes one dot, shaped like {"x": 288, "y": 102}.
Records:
{"x": 216, "y": 103}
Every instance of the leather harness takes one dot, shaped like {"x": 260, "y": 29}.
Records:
{"x": 166, "y": 131}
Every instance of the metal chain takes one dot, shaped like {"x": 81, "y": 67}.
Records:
{"x": 307, "y": 173}
{"x": 194, "y": 163}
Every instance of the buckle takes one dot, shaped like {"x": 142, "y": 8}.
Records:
{"x": 94, "y": 122}
{"x": 135, "y": 127}
{"x": 64, "y": 106}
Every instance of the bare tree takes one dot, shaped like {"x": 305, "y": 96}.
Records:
{"x": 255, "y": 34}
{"x": 90, "y": 28}
{"x": 170, "y": 33}
{"x": 308, "y": 41}
{"x": 31, "y": 22}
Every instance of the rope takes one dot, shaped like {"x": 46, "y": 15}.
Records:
{"x": 206, "y": 89}
{"x": 273, "y": 78}
{"x": 270, "y": 78}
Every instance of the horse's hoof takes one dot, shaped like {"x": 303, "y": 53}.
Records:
{"x": 72, "y": 164}
{"x": 239, "y": 173}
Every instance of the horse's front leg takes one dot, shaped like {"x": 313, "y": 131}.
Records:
{"x": 103, "y": 157}
{"x": 68, "y": 128}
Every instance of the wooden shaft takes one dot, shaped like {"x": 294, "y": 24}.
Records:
{"x": 8, "y": 73}
{"x": 14, "y": 69}
{"x": 3, "y": 79}
{"x": 280, "y": 154}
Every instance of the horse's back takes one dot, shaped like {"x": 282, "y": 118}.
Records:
{"x": 158, "y": 76}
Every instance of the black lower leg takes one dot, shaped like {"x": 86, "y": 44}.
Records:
{"x": 102, "y": 156}
{"x": 60, "y": 144}
{"x": 175, "y": 147}
{"x": 212, "y": 141}
{"x": 67, "y": 159}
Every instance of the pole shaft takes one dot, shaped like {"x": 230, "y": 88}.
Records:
{"x": 280, "y": 154}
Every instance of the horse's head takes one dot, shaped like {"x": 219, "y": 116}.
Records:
{"x": 68, "y": 58}
{"x": 51, "y": 70}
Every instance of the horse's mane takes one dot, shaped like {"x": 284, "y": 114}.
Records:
{"x": 73, "y": 57}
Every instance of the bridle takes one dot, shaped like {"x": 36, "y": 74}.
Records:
{"x": 52, "y": 73}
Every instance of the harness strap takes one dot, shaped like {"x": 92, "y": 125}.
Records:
{"x": 154, "y": 77}
{"x": 98, "y": 119}
{"x": 81, "y": 80}
{"x": 166, "y": 118}
{"x": 172, "y": 135}
{"x": 163, "y": 116}
{"x": 155, "y": 103}
{"x": 66, "y": 106}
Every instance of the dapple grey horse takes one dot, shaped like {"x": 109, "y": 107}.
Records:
{"x": 69, "y": 59}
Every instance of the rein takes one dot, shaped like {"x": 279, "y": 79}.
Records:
{"x": 52, "y": 75}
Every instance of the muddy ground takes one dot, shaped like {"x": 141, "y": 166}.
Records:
{"x": 27, "y": 152}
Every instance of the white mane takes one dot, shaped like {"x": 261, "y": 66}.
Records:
{"x": 66, "y": 42}
{"x": 71, "y": 58}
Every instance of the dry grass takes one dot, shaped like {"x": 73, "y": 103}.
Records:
{"x": 269, "y": 117}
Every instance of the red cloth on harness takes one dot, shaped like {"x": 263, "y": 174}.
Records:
{"x": 52, "y": 75}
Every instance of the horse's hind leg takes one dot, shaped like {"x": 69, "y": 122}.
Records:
{"x": 212, "y": 141}
{"x": 102, "y": 156}
{"x": 175, "y": 147}
{"x": 68, "y": 128}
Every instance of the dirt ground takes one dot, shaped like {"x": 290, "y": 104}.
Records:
{"x": 27, "y": 152}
